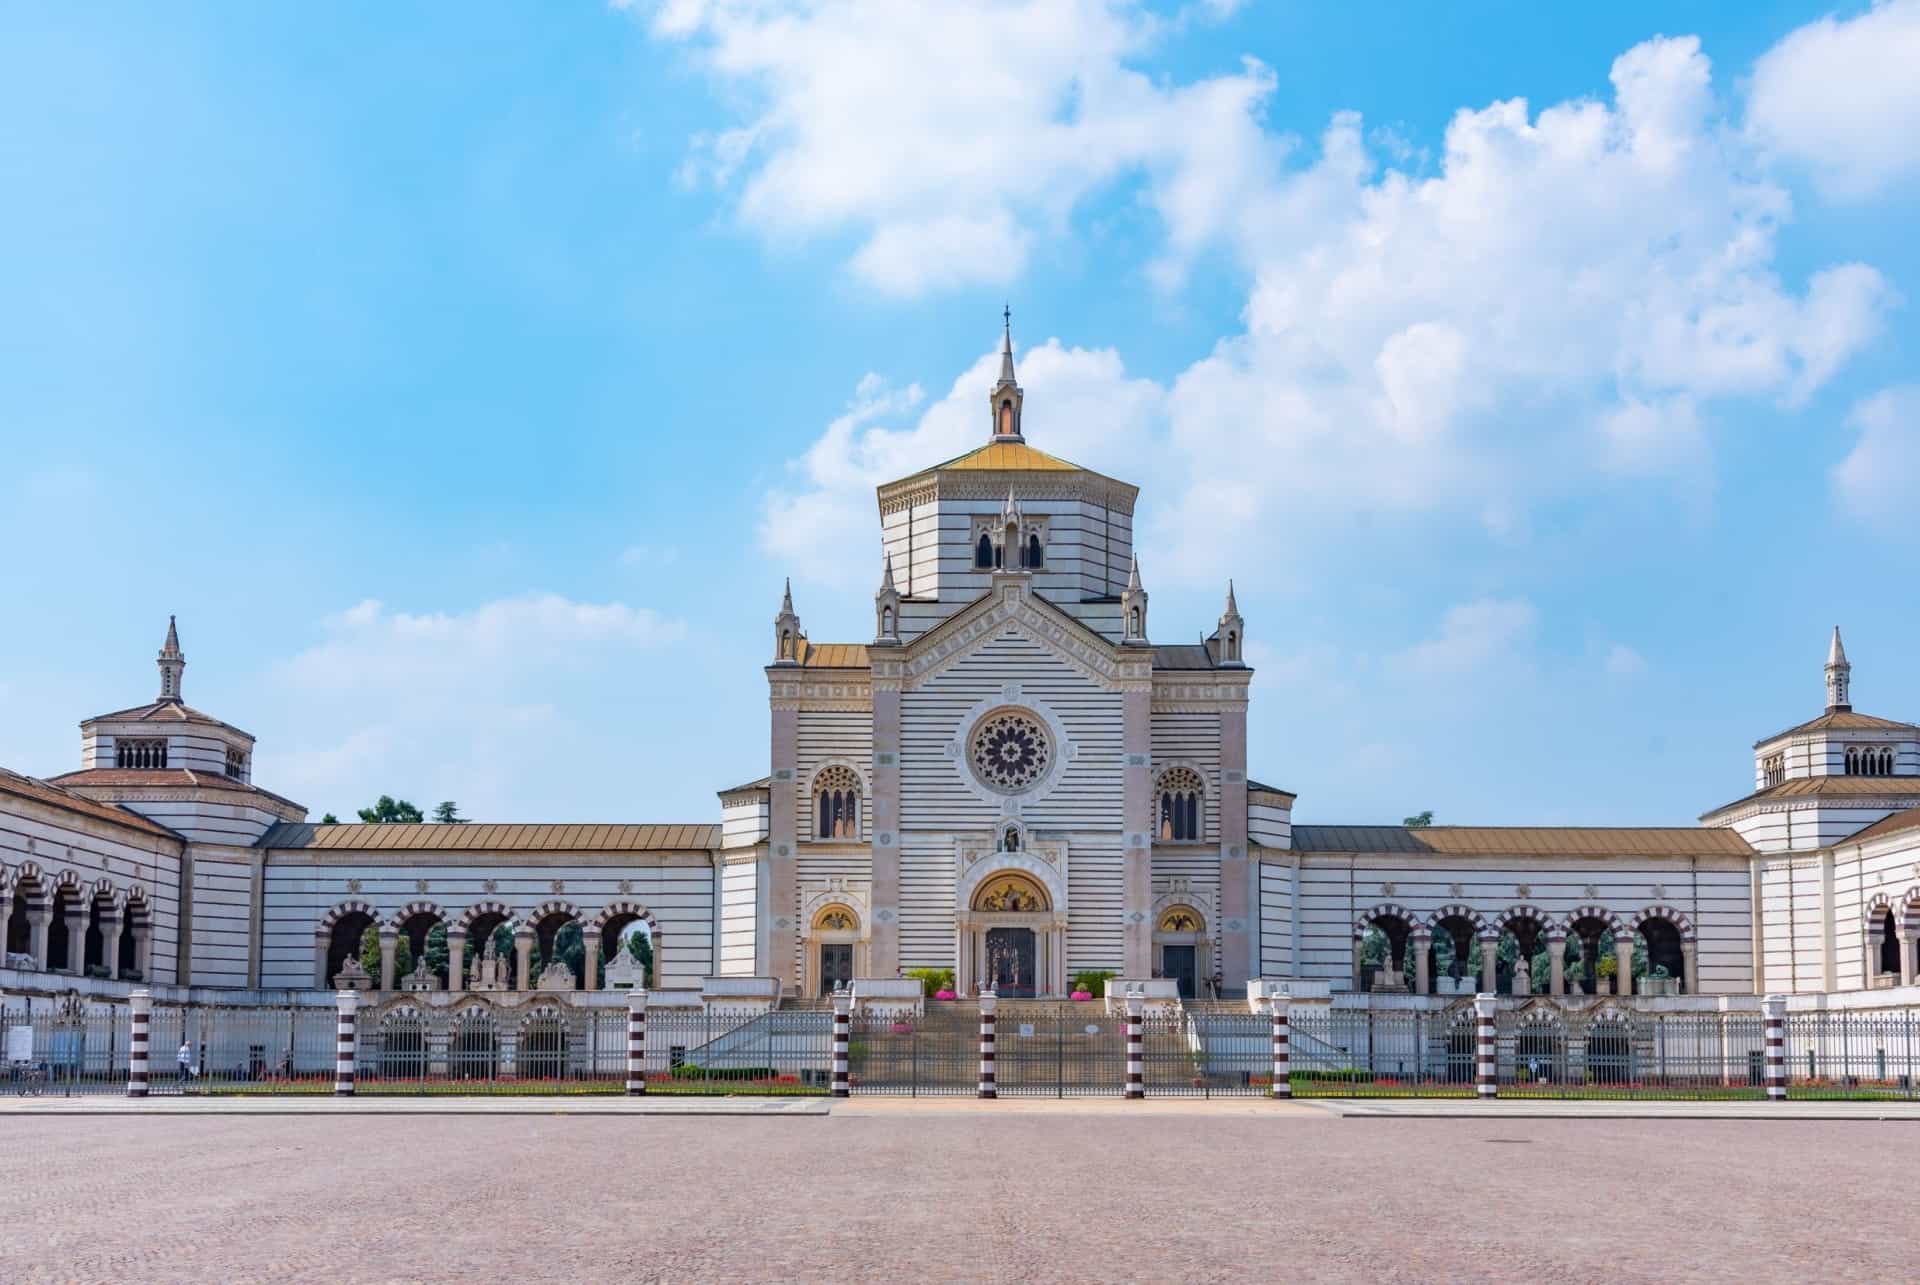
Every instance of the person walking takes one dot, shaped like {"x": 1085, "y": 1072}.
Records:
{"x": 185, "y": 1058}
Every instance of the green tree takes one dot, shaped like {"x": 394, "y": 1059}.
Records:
{"x": 370, "y": 955}
{"x": 1419, "y": 821}
{"x": 640, "y": 946}
{"x": 437, "y": 950}
{"x": 328, "y": 818}
{"x": 447, "y": 812}
{"x": 389, "y": 809}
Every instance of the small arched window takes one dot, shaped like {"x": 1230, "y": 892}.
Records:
{"x": 983, "y": 552}
{"x": 836, "y": 803}
{"x": 1006, "y": 417}
{"x": 1179, "y": 792}
{"x": 1774, "y": 769}
{"x": 1853, "y": 761}
{"x": 1035, "y": 556}
{"x": 1886, "y": 762}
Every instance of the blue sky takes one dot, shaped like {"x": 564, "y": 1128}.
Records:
{"x": 468, "y": 386}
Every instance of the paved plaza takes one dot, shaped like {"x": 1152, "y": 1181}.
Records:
{"x": 903, "y": 1191}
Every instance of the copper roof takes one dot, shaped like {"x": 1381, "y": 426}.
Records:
{"x": 178, "y": 777}
{"x": 1015, "y": 457}
{"x": 27, "y": 787}
{"x": 1255, "y": 787}
{"x": 1523, "y": 840}
{"x": 1894, "y": 824}
{"x": 1843, "y": 787}
{"x": 1841, "y": 720}
{"x": 483, "y": 837}
{"x": 815, "y": 655}
{"x": 169, "y": 711}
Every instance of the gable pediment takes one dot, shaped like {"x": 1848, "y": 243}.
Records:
{"x": 1013, "y": 607}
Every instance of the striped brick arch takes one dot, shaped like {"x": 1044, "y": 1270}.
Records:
{"x": 1513, "y": 916}
{"x": 483, "y": 910}
{"x": 1910, "y": 911}
{"x": 620, "y": 913}
{"x": 333, "y": 917}
{"x": 1385, "y": 910}
{"x": 1877, "y": 904}
{"x": 416, "y": 910}
{"x": 1677, "y": 918}
{"x": 1461, "y": 912}
{"x": 548, "y": 909}
{"x": 1609, "y": 921}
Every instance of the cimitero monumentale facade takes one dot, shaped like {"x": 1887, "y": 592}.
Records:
{"x": 1010, "y": 778}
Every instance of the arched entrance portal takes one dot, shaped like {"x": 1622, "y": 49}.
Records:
{"x": 1013, "y": 938}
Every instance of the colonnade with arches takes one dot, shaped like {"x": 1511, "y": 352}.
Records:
{"x": 1890, "y": 950}
{"x": 59, "y": 922}
{"x": 1456, "y": 941}
{"x": 339, "y": 933}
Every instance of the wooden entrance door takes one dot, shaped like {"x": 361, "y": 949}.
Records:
{"x": 836, "y": 966}
{"x": 1010, "y": 962}
{"x": 1177, "y": 962}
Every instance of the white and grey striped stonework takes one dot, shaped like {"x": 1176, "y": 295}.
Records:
{"x": 636, "y": 1046}
{"x": 343, "y": 1043}
{"x": 1136, "y": 1051}
{"x": 1282, "y": 1053}
{"x": 1486, "y": 1064}
{"x": 141, "y": 1011}
{"x": 987, "y": 1086}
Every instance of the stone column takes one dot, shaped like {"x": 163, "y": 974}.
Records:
{"x": 140, "y": 1005}
{"x": 110, "y": 925}
{"x": 590, "y": 958}
{"x": 883, "y": 816}
{"x": 1235, "y": 931}
{"x": 637, "y": 1041}
{"x": 389, "y": 948}
{"x": 987, "y": 1002}
{"x": 76, "y": 918}
{"x": 143, "y": 948}
{"x": 1773, "y": 1010}
{"x": 1420, "y": 943}
{"x": 320, "y": 944}
{"x": 1136, "y": 1048}
{"x": 1908, "y": 945}
{"x": 1359, "y": 961}
{"x": 1623, "y": 963}
{"x": 456, "y": 959}
{"x": 523, "y": 958}
{"x": 348, "y": 1005}
{"x": 1690, "y": 967}
{"x": 842, "y": 1040}
{"x": 783, "y": 888}
{"x": 39, "y": 920}
{"x": 1557, "y": 961}
{"x": 1136, "y": 779}
{"x": 1282, "y": 1086}
{"x": 1485, "y": 1048}
{"x": 1489, "y": 964}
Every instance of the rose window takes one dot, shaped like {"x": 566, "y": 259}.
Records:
{"x": 1010, "y": 751}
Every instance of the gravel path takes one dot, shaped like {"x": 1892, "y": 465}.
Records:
{"x": 895, "y": 1195}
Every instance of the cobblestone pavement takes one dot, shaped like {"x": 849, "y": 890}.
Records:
{"x": 1028, "y": 1194}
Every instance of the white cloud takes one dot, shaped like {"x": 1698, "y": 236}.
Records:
{"x": 1096, "y": 414}
{"x": 1472, "y": 636}
{"x": 1879, "y": 477}
{"x": 948, "y": 136}
{"x": 1842, "y": 97}
{"x": 462, "y": 705}
{"x": 1565, "y": 298}
{"x": 1624, "y": 662}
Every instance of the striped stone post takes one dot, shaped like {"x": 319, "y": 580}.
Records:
{"x": 988, "y": 1001}
{"x": 349, "y": 1005}
{"x": 1282, "y": 1056}
{"x": 842, "y": 1039}
{"x": 1486, "y": 1065}
{"x": 140, "y": 1005}
{"x": 637, "y": 1042}
{"x": 1773, "y": 1010}
{"x": 1136, "y": 1048}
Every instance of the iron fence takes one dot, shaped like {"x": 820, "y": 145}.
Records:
{"x": 66, "y": 1048}
{"x": 1852, "y": 1056}
{"x": 935, "y": 1053}
{"x": 1349, "y": 1053}
{"x": 221, "y": 1051}
{"x": 1614, "y": 1054}
{"x": 1059, "y": 1050}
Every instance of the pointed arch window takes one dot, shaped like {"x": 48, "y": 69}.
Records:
{"x": 983, "y": 552}
{"x": 1179, "y": 793}
{"x": 836, "y": 803}
{"x": 1035, "y": 556}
